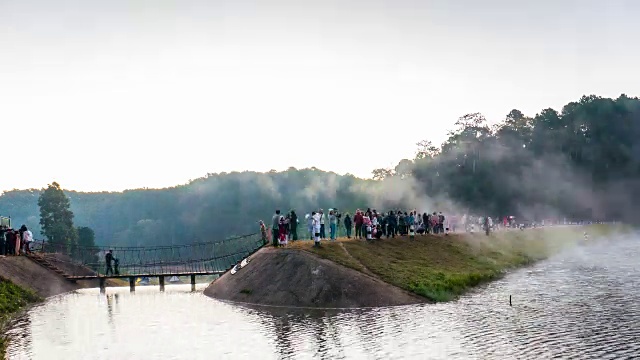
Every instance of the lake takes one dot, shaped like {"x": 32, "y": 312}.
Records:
{"x": 583, "y": 303}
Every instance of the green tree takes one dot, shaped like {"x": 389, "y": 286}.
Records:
{"x": 382, "y": 173}
{"x": 56, "y": 218}
{"x": 88, "y": 252}
{"x": 404, "y": 168}
{"x": 426, "y": 150}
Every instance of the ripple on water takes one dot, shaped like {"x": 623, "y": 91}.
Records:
{"x": 581, "y": 304}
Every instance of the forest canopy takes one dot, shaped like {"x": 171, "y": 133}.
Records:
{"x": 580, "y": 162}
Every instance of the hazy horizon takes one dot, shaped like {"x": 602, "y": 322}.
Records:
{"x": 107, "y": 96}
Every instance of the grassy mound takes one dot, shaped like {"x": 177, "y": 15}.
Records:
{"x": 440, "y": 267}
{"x": 12, "y": 300}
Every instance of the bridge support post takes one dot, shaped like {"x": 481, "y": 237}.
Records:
{"x": 132, "y": 283}
{"x": 193, "y": 282}
{"x": 102, "y": 285}
{"x": 161, "y": 280}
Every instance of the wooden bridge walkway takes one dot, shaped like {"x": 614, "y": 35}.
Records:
{"x": 196, "y": 259}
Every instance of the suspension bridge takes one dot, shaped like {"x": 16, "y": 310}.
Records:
{"x": 195, "y": 259}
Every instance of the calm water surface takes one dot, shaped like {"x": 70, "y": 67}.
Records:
{"x": 582, "y": 304}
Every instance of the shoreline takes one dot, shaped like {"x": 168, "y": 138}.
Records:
{"x": 14, "y": 301}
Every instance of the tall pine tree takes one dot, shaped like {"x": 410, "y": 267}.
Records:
{"x": 56, "y": 219}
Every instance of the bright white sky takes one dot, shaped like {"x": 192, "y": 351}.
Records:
{"x": 110, "y": 95}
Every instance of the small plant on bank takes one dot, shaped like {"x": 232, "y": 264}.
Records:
{"x": 13, "y": 299}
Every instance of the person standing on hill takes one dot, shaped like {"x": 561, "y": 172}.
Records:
{"x": 275, "y": 231}
{"x": 309, "y": 219}
{"x": 11, "y": 242}
{"x": 263, "y": 232}
{"x": 401, "y": 223}
{"x": 3, "y": 247}
{"x": 347, "y": 225}
{"x": 323, "y": 235}
{"x": 433, "y": 218}
{"x": 333, "y": 223}
{"x": 316, "y": 228}
{"x": 486, "y": 226}
{"x": 283, "y": 226}
{"x": 293, "y": 225}
{"x": 27, "y": 238}
{"x": 390, "y": 222}
{"x": 358, "y": 219}
{"x": 18, "y": 242}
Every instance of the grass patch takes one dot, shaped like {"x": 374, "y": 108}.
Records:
{"x": 12, "y": 300}
{"x": 441, "y": 268}
{"x": 329, "y": 250}
{"x": 246, "y": 291}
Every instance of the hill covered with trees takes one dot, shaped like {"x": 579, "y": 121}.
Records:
{"x": 580, "y": 162}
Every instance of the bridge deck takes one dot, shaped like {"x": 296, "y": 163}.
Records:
{"x": 190, "y": 260}
{"x": 92, "y": 277}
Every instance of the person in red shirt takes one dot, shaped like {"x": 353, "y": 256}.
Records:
{"x": 358, "y": 220}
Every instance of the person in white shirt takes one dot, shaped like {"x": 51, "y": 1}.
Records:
{"x": 27, "y": 238}
{"x": 316, "y": 228}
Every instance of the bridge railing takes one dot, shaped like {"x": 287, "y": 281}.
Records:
{"x": 202, "y": 257}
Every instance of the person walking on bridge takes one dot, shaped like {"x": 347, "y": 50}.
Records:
{"x": 275, "y": 231}
{"x": 109, "y": 260}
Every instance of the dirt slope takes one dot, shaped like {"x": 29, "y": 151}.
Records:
{"x": 26, "y": 273}
{"x": 297, "y": 278}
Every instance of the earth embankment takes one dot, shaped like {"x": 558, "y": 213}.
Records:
{"x": 28, "y": 274}
{"x": 295, "y": 278}
{"x": 387, "y": 272}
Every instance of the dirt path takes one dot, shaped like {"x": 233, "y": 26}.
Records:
{"x": 364, "y": 268}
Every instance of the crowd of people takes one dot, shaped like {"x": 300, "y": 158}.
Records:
{"x": 15, "y": 241}
{"x": 370, "y": 224}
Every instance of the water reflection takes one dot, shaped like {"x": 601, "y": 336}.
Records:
{"x": 582, "y": 304}
{"x": 283, "y": 336}
{"x": 18, "y": 338}
{"x": 110, "y": 300}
